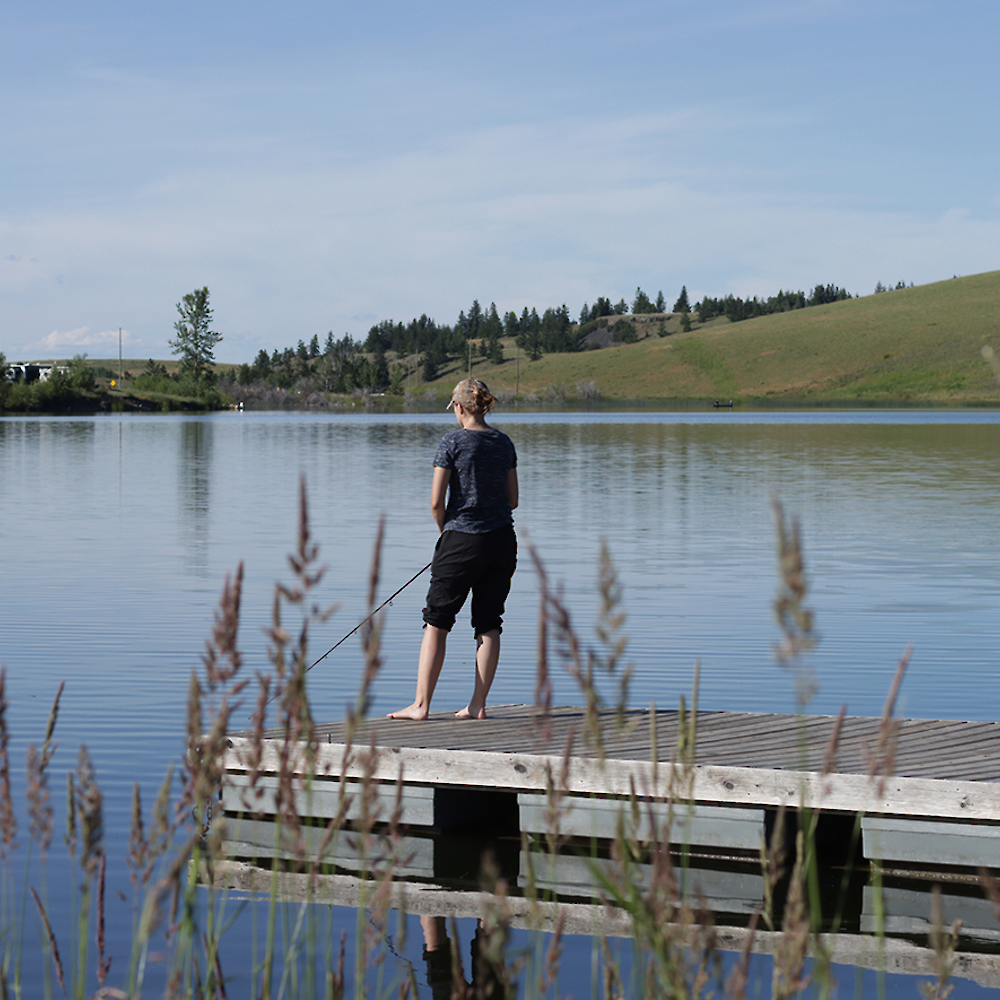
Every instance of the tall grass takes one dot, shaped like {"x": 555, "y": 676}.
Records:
{"x": 183, "y": 913}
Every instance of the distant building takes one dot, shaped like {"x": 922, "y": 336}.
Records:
{"x": 32, "y": 371}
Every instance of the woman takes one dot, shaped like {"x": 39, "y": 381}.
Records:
{"x": 476, "y": 469}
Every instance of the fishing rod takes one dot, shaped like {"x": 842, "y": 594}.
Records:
{"x": 364, "y": 622}
{"x": 371, "y": 616}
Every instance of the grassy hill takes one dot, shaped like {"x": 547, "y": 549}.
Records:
{"x": 908, "y": 345}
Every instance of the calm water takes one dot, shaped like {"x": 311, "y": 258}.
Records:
{"x": 116, "y": 533}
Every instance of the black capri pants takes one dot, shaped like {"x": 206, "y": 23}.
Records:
{"x": 483, "y": 564}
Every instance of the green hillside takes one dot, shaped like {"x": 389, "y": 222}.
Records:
{"x": 908, "y": 345}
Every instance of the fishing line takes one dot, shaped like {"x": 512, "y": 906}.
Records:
{"x": 364, "y": 622}
{"x": 371, "y": 616}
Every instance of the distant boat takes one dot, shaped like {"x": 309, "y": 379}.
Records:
{"x": 723, "y": 406}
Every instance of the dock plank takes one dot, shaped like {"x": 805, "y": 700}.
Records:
{"x": 942, "y": 768}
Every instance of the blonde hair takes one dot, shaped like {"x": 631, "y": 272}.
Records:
{"x": 474, "y": 396}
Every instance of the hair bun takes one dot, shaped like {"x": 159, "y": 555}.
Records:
{"x": 474, "y": 395}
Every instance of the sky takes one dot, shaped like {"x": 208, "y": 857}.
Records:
{"x": 323, "y": 166}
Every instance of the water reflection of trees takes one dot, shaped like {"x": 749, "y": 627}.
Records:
{"x": 194, "y": 489}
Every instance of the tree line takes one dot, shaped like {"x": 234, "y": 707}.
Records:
{"x": 480, "y": 332}
{"x": 347, "y": 364}
{"x": 737, "y": 309}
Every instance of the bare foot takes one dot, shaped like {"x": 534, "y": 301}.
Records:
{"x": 416, "y": 712}
{"x": 466, "y": 714}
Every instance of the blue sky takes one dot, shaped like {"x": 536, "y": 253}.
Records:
{"x": 321, "y": 166}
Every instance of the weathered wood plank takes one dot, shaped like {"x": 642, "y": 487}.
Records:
{"x": 695, "y": 825}
{"x": 926, "y": 842}
{"x": 908, "y": 911}
{"x": 569, "y": 875}
{"x": 323, "y": 799}
{"x": 708, "y": 783}
{"x": 944, "y": 768}
{"x": 260, "y": 840}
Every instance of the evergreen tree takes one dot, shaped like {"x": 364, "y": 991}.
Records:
{"x": 530, "y": 337}
{"x": 492, "y": 328}
{"x": 602, "y": 307}
{"x": 362, "y": 373}
{"x": 682, "y": 305}
{"x": 624, "y": 332}
{"x": 641, "y": 303}
{"x": 557, "y": 330}
{"x": 261, "y": 366}
{"x": 474, "y": 320}
{"x": 397, "y": 376}
{"x": 196, "y": 340}
{"x": 379, "y": 375}
{"x": 661, "y": 302}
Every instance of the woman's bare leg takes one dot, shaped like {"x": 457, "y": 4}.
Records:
{"x": 432, "y": 650}
{"x": 487, "y": 658}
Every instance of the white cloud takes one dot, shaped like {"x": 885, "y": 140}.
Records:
{"x": 523, "y": 215}
{"x": 61, "y": 341}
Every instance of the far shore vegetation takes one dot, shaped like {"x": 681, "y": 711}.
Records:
{"x": 902, "y": 345}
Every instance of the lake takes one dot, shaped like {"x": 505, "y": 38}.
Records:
{"x": 117, "y": 533}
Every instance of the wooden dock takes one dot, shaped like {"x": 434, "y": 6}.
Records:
{"x": 929, "y": 790}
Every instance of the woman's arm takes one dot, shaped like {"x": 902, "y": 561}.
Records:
{"x": 512, "y": 494}
{"x": 439, "y": 493}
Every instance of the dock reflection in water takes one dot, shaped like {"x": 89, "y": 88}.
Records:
{"x": 438, "y": 878}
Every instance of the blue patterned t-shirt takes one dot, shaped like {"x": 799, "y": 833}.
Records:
{"x": 477, "y": 490}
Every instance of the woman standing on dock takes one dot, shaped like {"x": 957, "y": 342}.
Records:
{"x": 476, "y": 468}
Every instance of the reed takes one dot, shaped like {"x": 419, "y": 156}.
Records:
{"x": 183, "y": 906}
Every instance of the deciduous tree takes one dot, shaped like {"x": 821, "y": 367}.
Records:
{"x": 81, "y": 375}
